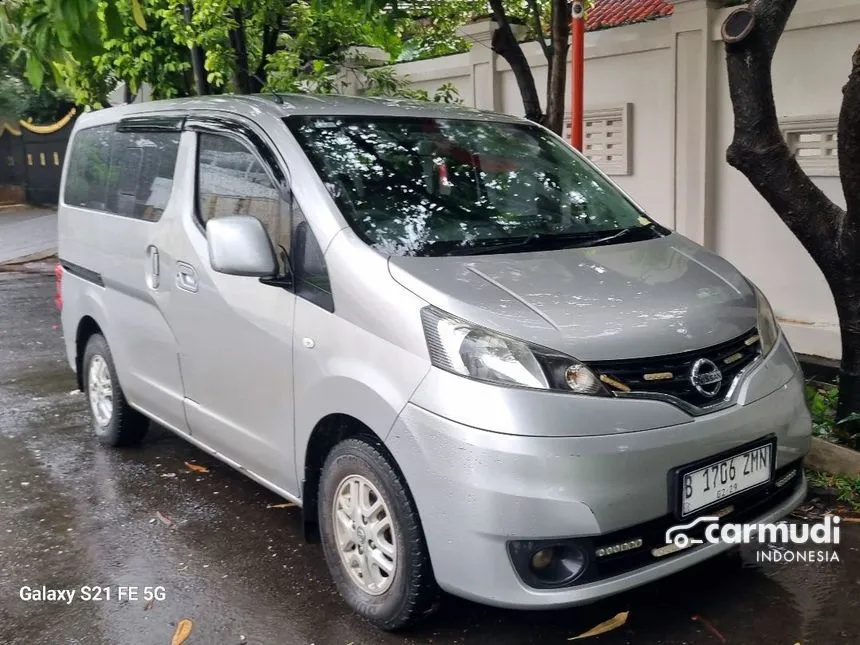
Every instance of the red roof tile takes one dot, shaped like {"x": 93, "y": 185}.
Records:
{"x": 611, "y": 13}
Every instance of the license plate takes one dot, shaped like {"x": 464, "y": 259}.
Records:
{"x": 701, "y": 486}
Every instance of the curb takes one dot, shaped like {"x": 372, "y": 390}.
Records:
{"x": 832, "y": 458}
{"x": 43, "y": 263}
{"x": 32, "y": 257}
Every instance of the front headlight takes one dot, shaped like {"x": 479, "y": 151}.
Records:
{"x": 768, "y": 329}
{"x": 472, "y": 351}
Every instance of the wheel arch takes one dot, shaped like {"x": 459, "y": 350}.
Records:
{"x": 87, "y": 327}
{"x": 327, "y": 433}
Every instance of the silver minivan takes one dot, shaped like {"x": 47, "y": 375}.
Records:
{"x": 476, "y": 364}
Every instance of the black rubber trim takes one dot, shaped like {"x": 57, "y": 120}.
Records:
{"x": 151, "y": 123}
{"x": 82, "y": 272}
{"x": 234, "y": 128}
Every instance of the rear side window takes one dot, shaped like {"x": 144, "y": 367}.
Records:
{"x": 125, "y": 173}
{"x": 89, "y": 168}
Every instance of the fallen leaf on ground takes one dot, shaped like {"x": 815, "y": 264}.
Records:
{"x": 286, "y": 505}
{"x": 196, "y": 468}
{"x": 851, "y": 519}
{"x": 165, "y": 520}
{"x": 149, "y": 605}
{"x": 183, "y": 630}
{"x": 168, "y": 474}
{"x": 607, "y": 626}
{"x": 709, "y": 627}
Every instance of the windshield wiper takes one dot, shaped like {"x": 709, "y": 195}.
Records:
{"x": 607, "y": 239}
{"x": 547, "y": 241}
{"x": 639, "y": 231}
{"x": 501, "y": 245}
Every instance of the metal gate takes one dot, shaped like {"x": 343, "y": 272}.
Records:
{"x": 31, "y": 158}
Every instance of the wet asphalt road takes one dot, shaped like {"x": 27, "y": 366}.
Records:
{"x": 74, "y": 514}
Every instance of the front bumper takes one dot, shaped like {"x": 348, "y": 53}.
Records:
{"x": 477, "y": 490}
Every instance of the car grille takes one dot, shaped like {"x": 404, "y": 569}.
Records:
{"x": 671, "y": 375}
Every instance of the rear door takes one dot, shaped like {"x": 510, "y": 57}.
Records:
{"x": 235, "y": 333}
{"x": 118, "y": 205}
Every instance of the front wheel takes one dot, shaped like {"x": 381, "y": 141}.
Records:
{"x": 372, "y": 537}
{"x": 115, "y": 422}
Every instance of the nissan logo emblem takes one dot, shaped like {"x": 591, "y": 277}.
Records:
{"x": 706, "y": 377}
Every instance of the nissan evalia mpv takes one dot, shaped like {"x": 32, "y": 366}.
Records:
{"x": 470, "y": 358}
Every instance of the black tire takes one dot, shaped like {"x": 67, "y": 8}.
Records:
{"x": 412, "y": 592}
{"x": 126, "y": 426}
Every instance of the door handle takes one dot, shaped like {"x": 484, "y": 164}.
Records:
{"x": 153, "y": 269}
{"x": 186, "y": 277}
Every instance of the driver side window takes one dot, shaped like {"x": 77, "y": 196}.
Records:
{"x": 232, "y": 181}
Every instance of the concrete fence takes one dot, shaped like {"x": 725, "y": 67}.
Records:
{"x": 658, "y": 119}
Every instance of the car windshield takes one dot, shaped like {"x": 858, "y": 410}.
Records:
{"x": 426, "y": 186}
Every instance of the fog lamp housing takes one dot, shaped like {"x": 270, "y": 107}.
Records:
{"x": 548, "y": 565}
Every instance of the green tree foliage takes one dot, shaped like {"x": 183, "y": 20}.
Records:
{"x": 137, "y": 56}
{"x": 88, "y": 46}
{"x": 430, "y": 28}
{"x": 14, "y": 96}
{"x": 18, "y": 99}
{"x": 318, "y": 38}
{"x": 58, "y": 42}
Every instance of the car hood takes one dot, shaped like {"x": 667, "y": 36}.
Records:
{"x": 660, "y": 296}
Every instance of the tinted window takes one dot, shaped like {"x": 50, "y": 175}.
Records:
{"x": 144, "y": 164}
{"x": 232, "y": 181}
{"x": 126, "y": 173}
{"x": 415, "y": 186}
{"x": 89, "y": 170}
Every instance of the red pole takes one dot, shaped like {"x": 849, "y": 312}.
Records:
{"x": 577, "y": 74}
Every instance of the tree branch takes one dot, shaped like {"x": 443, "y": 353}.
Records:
{"x": 537, "y": 25}
{"x": 758, "y": 148}
{"x": 505, "y": 45}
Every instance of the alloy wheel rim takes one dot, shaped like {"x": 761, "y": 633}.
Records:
{"x": 100, "y": 390}
{"x": 365, "y": 536}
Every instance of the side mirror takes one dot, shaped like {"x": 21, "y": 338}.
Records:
{"x": 239, "y": 245}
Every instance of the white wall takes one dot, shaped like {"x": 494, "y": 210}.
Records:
{"x": 672, "y": 72}
{"x": 431, "y": 74}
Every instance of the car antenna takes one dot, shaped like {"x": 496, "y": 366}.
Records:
{"x": 278, "y": 98}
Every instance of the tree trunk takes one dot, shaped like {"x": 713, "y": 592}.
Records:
{"x": 201, "y": 85}
{"x": 505, "y": 45}
{"x": 849, "y": 378}
{"x": 557, "y": 72}
{"x": 238, "y": 41}
{"x": 759, "y": 151}
{"x": 848, "y": 243}
{"x": 270, "y": 42}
